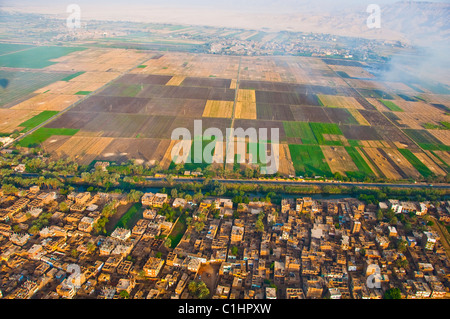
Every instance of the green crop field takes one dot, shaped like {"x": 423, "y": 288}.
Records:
{"x": 359, "y": 161}
{"x": 43, "y": 133}
{"x": 83, "y": 93}
{"x": 441, "y": 126}
{"x": 301, "y": 130}
{"x": 72, "y": 76}
{"x": 36, "y": 120}
{"x": 435, "y": 147}
{"x": 421, "y": 167}
{"x": 319, "y": 129}
{"x": 309, "y": 160}
{"x": 354, "y": 143}
{"x": 391, "y": 105}
{"x": 6, "y": 48}
{"x": 36, "y": 57}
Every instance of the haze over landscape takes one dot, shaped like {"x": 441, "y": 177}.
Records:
{"x": 425, "y": 24}
{"x": 407, "y": 19}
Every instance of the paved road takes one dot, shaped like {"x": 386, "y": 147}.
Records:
{"x": 296, "y": 183}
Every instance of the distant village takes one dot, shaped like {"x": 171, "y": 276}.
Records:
{"x": 50, "y": 248}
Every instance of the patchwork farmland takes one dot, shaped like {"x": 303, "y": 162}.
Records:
{"x": 333, "y": 119}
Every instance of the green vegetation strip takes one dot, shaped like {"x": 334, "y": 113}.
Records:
{"x": 441, "y": 126}
{"x": 359, "y": 161}
{"x": 83, "y": 93}
{"x": 178, "y": 230}
{"x": 43, "y": 133}
{"x": 36, "y": 120}
{"x": 435, "y": 147}
{"x": 391, "y": 105}
{"x": 72, "y": 76}
{"x": 421, "y": 167}
{"x": 354, "y": 143}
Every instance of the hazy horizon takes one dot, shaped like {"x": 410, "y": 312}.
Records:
{"x": 414, "y": 22}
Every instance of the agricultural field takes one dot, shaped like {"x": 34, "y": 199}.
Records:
{"x": 36, "y": 120}
{"x": 352, "y": 71}
{"x": 327, "y": 133}
{"x": 35, "y": 57}
{"x": 379, "y": 158}
{"x": 300, "y": 131}
{"x": 333, "y": 116}
{"x": 218, "y": 109}
{"x": 347, "y": 102}
{"x": 10, "y": 119}
{"x": 309, "y": 160}
{"x": 358, "y": 117}
{"x": 40, "y": 135}
{"x": 19, "y": 84}
{"x": 245, "y": 110}
{"x": 391, "y": 105}
{"x": 47, "y": 102}
{"x": 338, "y": 159}
{"x": 363, "y": 165}
{"x": 83, "y": 149}
{"x": 286, "y": 166}
{"x": 6, "y": 48}
{"x": 421, "y": 167}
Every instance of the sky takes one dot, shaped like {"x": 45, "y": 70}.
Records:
{"x": 234, "y": 5}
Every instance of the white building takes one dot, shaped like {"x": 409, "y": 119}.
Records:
{"x": 396, "y": 206}
{"x": 121, "y": 233}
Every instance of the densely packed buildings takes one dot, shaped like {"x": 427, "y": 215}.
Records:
{"x": 299, "y": 249}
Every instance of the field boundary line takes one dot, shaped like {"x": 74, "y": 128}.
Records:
{"x": 74, "y": 104}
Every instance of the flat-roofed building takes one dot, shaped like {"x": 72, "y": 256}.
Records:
{"x": 429, "y": 240}
{"x": 153, "y": 266}
{"x": 121, "y": 233}
{"x": 237, "y": 233}
{"x": 294, "y": 293}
